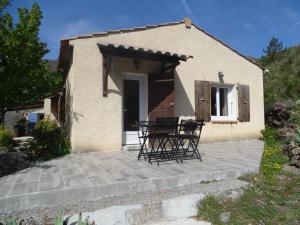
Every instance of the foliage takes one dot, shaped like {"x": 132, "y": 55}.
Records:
{"x": 58, "y": 219}
{"x": 273, "y": 197}
{"x": 25, "y": 77}
{"x": 270, "y": 136}
{"x": 82, "y": 222}
{"x": 275, "y": 46}
{"x": 12, "y": 221}
{"x": 269, "y": 202}
{"x": 281, "y": 83}
{"x": 295, "y": 116}
{"x": 6, "y": 137}
{"x": 20, "y": 127}
{"x": 295, "y": 138}
{"x": 49, "y": 141}
{"x": 272, "y": 159}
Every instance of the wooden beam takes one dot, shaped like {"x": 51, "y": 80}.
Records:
{"x": 107, "y": 59}
{"x": 170, "y": 67}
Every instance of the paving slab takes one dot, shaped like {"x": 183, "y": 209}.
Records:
{"x": 109, "y": 173}
{"x": 24, "y": 188}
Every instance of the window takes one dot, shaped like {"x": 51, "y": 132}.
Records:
{"x": 221, "y": 103}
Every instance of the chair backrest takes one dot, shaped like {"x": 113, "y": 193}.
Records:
{"x": 143, "y": 127}
{"x": 168, "y": 124}
{"x": 192, "y": 127}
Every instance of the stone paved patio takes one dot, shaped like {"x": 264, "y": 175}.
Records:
{"x": 97, "y": 174}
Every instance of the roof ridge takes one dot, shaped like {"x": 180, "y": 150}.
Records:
{"x": 107, "y": 32}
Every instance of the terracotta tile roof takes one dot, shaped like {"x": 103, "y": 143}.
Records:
{"x": 182, "y": 57}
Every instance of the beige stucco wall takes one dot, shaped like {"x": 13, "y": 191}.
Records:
{"x": 96, "y": 122}
{"x": 49, "y": 109}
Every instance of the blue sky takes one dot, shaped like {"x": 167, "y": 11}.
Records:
{"x": 245, "y": 25}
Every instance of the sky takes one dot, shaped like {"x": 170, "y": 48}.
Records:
{"x": 245, "y": 25}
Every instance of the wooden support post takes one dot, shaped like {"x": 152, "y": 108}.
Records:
{"x": 170, "y": 68}
{"x": 107, "y": 59}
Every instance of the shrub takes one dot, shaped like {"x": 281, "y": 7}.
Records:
{"x": 6, "y": 137}
{"x": 270, "y": 136}
{"x": 295, "y": 116}
{"x": 273, "y": 158}
{"x": 20, "y": 127}
{"x": 49, "y": 141}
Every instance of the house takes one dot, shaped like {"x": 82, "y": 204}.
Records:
{"x": 31, "y": 114}
{"x": 116, "y": 77}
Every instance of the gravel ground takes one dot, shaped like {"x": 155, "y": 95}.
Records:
{"x": 46, "y": 215}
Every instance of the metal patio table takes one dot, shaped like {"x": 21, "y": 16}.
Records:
{"x": 169, "y": 141}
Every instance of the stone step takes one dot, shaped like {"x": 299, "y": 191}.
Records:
{"x": 182, "y": 221}
{"x": 163, "y": 207}
{"x": 23, "y": 140}
{"x": 67, "y": 196}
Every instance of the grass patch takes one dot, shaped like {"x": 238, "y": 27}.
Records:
{"x": 273, "y": 198}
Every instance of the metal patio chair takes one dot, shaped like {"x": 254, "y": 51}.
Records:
{"x": 188, "y": 137}
{"x": 143, "y": 128}
{"x": 159, "y": 138}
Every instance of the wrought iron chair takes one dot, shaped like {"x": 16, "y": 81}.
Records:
{"x": 159, "y": 137}
{"x": 143, "y": 128}
{"x": 168, "y": 127}
{"x": 188, "y": 137}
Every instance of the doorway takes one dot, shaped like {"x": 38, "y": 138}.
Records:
{"x": 134, "y": 106}
{"x": 161, "y": 95}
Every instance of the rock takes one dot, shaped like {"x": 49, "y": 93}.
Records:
{"x": 298, "y": 163}
{"x": 286, "y": 132}
{"x": 29, "y": 221}
{"x": 296, "y": 151}
{"x": 225, "y": 217}
{"x": 291, "y": 169}
{"x": 109, "y": 216}
{"x": 183, "y": 206}
{"x": 291, "y": 145}
{"x": 295, "y": 157}
{"x": 278, "y": 114}
{"x": 293, "y": 162}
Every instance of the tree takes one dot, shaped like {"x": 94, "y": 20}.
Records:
{"x": 24, "y": 76}
{"x": 275, "y": 46}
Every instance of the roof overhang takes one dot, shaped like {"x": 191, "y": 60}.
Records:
{"x": 141, "y": 53}
{"x": 110, "y": 50}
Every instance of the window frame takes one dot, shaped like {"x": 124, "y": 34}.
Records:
{"x": 230, "y": 103}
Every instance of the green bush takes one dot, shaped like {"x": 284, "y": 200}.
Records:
{"x": 270, "y": 137}
{"x": 295, "y": 116}
{"x": 49, "y": 141}
{"x": 20, "y": 127}
{"x": 6, "y": 137}
{"x": 273, "y": 158}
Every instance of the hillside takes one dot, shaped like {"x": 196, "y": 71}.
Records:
{"x": 52, "y": 64}
{"x": 282, "y": 83}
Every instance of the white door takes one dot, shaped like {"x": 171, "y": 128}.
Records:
{"x": 133, "y": 106}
